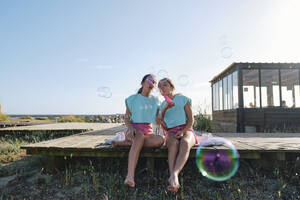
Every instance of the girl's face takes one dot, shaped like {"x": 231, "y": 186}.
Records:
{"x": 149, "y": 83}
{"x": 165, "y": 88}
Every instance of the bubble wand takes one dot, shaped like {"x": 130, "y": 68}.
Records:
{"x": 169, "y": 100}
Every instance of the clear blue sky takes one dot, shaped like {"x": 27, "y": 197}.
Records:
{"x": 55, "y": 54}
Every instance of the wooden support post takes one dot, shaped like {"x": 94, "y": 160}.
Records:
{"x": 53, "y": 163}
{"x": 280, "y": 156}
{"x": 150, "y": 165}
{"x": 250, "y": 155}
{"x": 274, "y": 159}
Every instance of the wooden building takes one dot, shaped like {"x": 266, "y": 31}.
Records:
{"x": 257, "y": 97}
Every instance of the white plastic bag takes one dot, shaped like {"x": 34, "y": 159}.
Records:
{"x": 119, "y": 137}
{"x": 210, "y": 140}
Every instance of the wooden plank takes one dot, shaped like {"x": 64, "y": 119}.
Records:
{"x": 86, "y": 141}
{"x": 122, "y": 153}
{"x": 91, "y": 144}
{"x": 67, "y": 126}
{"x": 81, "y": 138}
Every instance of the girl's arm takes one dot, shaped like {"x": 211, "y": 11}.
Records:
{"x": 128, "y": 124}
{"x": 190, "y": 121}
{"x": 163, "y": 112}
{"x": 189, "y": 113}
{"x": 167, "y": 106}
{"x": 161, "y": 121}
{"x": 127, "y": 118}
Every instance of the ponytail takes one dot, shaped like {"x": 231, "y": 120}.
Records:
{"x": 140, "y": 90}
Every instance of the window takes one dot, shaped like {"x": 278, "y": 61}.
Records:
{"x": 217, "y": 97}
{"x": 225, "y": 92}
{"x": 220, "y": 95}
{"x": 230, "y": 92}
{"x": 235, "y": 89}
{"x": 251, "y": 88}
{"x": 289, "y": 86}
{"x": 297, "y": 95}
{"x": 270, "y": 87}
{"x": 214, "y": 96}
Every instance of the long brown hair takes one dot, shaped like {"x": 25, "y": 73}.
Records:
{"x": 171, "y": 84}
{"x": 143, "y": 80}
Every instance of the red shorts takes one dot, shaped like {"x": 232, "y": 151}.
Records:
{"x": 145, "y": 128}
{"x": 179, "y": 128}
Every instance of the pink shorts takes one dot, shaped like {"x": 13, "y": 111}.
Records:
{"x": 180, "y": 128}
{"x": 145, "y": 128}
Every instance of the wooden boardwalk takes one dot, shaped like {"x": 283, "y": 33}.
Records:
{"x": 65, "y": 126}
{"x": 91, "y": 144}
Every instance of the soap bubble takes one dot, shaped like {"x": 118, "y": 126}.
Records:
{"x": 220, "y": 163}
{"x": 162, "y": 74}
{"x": 226, "y": 52}
{"x": 183, "y": 80}
{"x": 104, "y": 92}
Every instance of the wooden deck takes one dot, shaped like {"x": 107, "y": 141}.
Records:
{"x": 64, "y": 126}
{"x": 91, "y": 144}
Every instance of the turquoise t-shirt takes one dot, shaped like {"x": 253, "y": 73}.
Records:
{"x": 143, "y": 109}
{"x": 176, "y": 115}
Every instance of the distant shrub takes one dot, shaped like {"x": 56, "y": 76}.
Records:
{"x": 27, "y": 117}
{"x": 41, "y": 118}
{"x": 4, "y": 117}
{"x": 202, "y": 123}
{"x": 70, "y": 118}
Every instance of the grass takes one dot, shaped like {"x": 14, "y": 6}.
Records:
{"x": 10, "y": 151}
{"x": 97, "y": 179}
{"x": 11, "y": 141}
{"x": 70, "y": 118}
{"x": 202, "y": 123}
{"x": 102, "y": 178}
{"x": 3, "y": 117}
{"x": 36, "y": 135}
{"x": 27, "y": 117}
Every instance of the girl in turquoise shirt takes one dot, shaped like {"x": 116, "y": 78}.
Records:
{"x": 141, "y": 111}
{"x": 177, "y": 120}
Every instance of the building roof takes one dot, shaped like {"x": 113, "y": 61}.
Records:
{"x": 256, "y": 64}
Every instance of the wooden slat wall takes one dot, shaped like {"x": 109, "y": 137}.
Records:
{"x": 225, "y": 116}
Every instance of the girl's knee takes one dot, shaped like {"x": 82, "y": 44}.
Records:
{"x": 162, "y": 140}
{"x": 172, "y": 142}
{"x": 186, "y": 142}
{"x": 159, "y": 143}
{"x": 138, "y": 136}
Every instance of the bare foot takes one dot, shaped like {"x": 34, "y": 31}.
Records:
{"x": 170, "y": 187}
{"x": 174, "y": 183}
{"x": 122, "y": 143}
{"x": 129, "y": 181}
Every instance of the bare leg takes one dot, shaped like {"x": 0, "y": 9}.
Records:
{"x": 152, "y": 140}
{"x": 173, "y": 146}
{"x": 123, "y": 143}
{"x": 186, "y": 143}
{"x": 133, "y": 156}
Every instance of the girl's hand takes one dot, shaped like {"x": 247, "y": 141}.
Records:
{"x": 158, "y": 120}
{"x": 163, "y": 124}
{"x": 130, "y": 134}
{"x": 169, "y": 105}
{"x": 179, "y": 135}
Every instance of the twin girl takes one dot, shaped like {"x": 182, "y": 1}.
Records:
{"x": 175, "y": 117}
